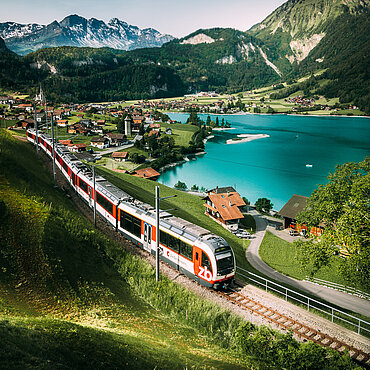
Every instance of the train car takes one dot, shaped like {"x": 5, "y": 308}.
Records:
{"x": 190, "y": 249}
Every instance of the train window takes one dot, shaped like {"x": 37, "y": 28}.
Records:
{"x": 105, "y": 203}
{"x": 186, "y": 250}
{"x": 197, "y": 256}
{"x": 65, "y": 167}
{"x": 82, "y": 184}
{"x": 169, "y": 241}
{"x": 130, "y": 223}
{"x": 73, "y": 178}
{"x": 206, "y": 262}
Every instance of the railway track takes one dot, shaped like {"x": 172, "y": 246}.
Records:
{"x": 301, "y": 330}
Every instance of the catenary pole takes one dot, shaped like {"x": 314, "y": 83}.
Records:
{"x": 157, "y": 233}
{"x": 94, "y": 195}
{"x": 53, "y": 141}
{"x": 37, "y": 135}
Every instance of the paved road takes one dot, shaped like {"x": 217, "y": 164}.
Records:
{"x": 332, "y": 296}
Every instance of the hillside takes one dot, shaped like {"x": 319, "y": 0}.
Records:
{"x": 63, "y": 300}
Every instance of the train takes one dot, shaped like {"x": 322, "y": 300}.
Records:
{"x": 192, "y": 250}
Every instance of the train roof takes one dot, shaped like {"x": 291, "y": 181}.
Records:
{"x": 180, "y": 226}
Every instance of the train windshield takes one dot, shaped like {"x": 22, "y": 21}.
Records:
{"x": 225, "y": 261}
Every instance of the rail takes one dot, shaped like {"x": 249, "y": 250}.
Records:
{"x": 335, "y": 315}
{"x": 340, "y": 287}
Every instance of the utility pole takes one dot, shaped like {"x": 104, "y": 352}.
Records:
{"x": 94, "y": 195}
{"x": 157, "y": 233}
{"x": 52, "y": 134}
{"x": 46, "y": 117}
{"x": 37, "y": 135}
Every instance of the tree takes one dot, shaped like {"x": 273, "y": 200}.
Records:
{"x": 180, "y": 185}
{"x": 263, "y": 205}
{"x": 343, "y": 206}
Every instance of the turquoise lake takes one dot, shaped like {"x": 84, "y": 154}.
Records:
{"x": 274, "y": 167}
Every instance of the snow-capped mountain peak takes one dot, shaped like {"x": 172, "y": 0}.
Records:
{"x": 75, "y": 30}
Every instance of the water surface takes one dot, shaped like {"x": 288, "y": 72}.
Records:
{"x": 274, "y": 167}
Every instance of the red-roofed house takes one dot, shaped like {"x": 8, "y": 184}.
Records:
{"x": 223, "y": 205}
{"x": 147, "y": 173}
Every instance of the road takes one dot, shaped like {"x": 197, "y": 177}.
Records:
{"x": 332, "y": 296}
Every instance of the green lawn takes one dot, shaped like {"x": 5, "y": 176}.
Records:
{"x": 280, "y": 255}
{"x": 181, "y": 133}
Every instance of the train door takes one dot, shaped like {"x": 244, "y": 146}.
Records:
{"x": 147, "y": 237}
{"x": 197, "y": 255}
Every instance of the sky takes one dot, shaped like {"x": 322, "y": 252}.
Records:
{"x": 177, "y": 18}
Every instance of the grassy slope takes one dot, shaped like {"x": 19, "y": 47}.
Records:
{"x": 70, "y": 307}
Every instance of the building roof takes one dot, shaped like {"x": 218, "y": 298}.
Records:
{"x": 146, "y": 173}
{"x": 225, "y": 207}
{"x": 123, "y": 155}
{"x": 294, "y": 205}
{"x": 230, "y": 194}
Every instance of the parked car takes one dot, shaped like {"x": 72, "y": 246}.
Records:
{"x": 293, "y": 233}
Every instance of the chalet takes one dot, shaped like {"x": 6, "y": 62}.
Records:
{"x": 77, "y": 147}
{"x": 147, "y": 173}
{"x": 6, "y": 99}
{"x": 78, "y": 129}
{"x": 97, "y": 130}
{"x": 65, "y": 142}
{"x": 58, "y": 114}
{"x": 26, "y": 107}
{"x": 168, "y": 131}
{"x": 100, "y": 122}
{"x": 62, "y": 122}
{"x": 120, "y": 156}
{"x": 116, "y": 139}
{"x": 25, "y": 123}
{"x": 138, "y": 119}
{"x": 289, "y": 212}
{"x": 100, "y": 142}
{"x": 223, "y": 205}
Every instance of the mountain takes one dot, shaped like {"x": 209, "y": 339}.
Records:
{"x": 79, "y": 31}
{"x": 297, "y": 27}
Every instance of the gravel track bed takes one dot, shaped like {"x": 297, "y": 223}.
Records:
{"x": 266, "y": 299}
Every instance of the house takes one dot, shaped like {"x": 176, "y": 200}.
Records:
{"x": 77, "y": 148}
{"x": 97, "y": 130}
{"x": 147, "y": 173}
{"x": 120, "y": 156}
{"x": 138, "y": 119}
{"x": 25, "y": 123}
{"x": 289, "y": 212}
{"x": 100, "y": 142}
{"x": 62, "y": 122}
{"x": 116, "y": 139}
{"x": 65, "y": 142}
{"x": 155, "y": 126}
{"x": 100, "y": 122}
{"x": 26, "y": 107}
{"x": 168, "y": 131}
{"x": 223, "y": 205}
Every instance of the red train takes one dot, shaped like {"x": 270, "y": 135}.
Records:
{"x": 191, "y": 249}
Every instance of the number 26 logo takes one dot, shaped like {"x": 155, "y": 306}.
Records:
{"x": 205, "y": 273}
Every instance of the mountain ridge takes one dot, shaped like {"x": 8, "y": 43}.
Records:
{"x": 75, "y": 30}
